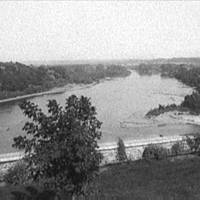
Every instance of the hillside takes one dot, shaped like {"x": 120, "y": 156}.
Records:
{"x": 18, "y": 79}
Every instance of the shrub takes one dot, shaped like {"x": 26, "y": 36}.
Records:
{"x": 155, "y": 152}
{"x": 177, "y": 148}
{"x": 194, "y": 143}
{"x": 17, "y": 174}
{"x": 121, "y": 151}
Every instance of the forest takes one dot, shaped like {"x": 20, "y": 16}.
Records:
{"x": 19, "y": 79}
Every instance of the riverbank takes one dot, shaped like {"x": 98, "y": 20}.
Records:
{"x": 190, "y": 105}
{"x": 59, "y": 90}
{"x": 17, "y": 79}
{"x": 134, "y": 149}
{"x": 141, "y": 180}
{"x": 55, "y": 91}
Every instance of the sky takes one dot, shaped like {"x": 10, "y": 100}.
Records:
{"x": 42, "y": 30}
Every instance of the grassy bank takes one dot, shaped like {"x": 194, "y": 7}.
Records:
{"x": 145, "y": 180}
{"x": 153, "y": 180}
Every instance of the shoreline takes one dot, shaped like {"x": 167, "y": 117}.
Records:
{"x": 58, "y": 90}
{"x": 107, "y": 146}
{"x": 13, "y": 99}
{"x": 169, "y": 108}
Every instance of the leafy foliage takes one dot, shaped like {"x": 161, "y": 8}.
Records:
{"x": 121, "y": 151}
{"x": 177, "y": 148}
{"x": 155, "y": 152}
{"x": 162, "y": 109}
{"x": 62, "y": 145}
{"x": 194, "y": 143}
{"x": 192, "y": 102}
{"x": 189, "y": 76}
{"x": 17, "y": 174}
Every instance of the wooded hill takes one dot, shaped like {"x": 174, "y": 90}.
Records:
{"x": 18, "y": 79}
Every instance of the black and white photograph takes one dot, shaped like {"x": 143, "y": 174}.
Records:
{"x": 99, "y": 100}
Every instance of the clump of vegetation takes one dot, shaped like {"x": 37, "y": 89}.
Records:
{"x": 162, "y": 109}
{"x": 194, "y": 143}
{"x": 17, "y": 174}
{"x": 155, "y": 152}
{"x": 121, "y": 151}
{"x": 192, "y": 102}
{"x": 189, "y": 75}
{"x": 62, "y": 145}
{"x": 177, "y": 148}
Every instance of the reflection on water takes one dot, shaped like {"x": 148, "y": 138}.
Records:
{"x": 117, "y": 101}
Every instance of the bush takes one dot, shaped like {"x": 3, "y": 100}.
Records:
{"x": 17, "y": 174}
{"x": 155, "y": 152}
{"x": 177, "y": 148}
{"x": 194, "y": 143}
{"x": 121, "y": 151}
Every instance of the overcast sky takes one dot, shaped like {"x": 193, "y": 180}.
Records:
{"x": 98, "y": 30}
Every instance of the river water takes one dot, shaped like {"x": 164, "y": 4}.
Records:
{"x": 121, "y": 105}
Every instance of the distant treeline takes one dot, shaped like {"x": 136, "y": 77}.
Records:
{"x": 146, "y": 69}
{"x": 189, "y": 76}
{"x": 186, "y": 73}
{"x": 18, "y": 79}
{"x": 168, "y": 70}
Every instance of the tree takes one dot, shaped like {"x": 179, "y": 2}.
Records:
{"x": 155, "y": 152}
{"x": 121, "y": 151}
{"x": 192, "y": 102}
{"x": 61, "y": 146}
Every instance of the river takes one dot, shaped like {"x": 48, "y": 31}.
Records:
{"x": 121, "y": 105}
